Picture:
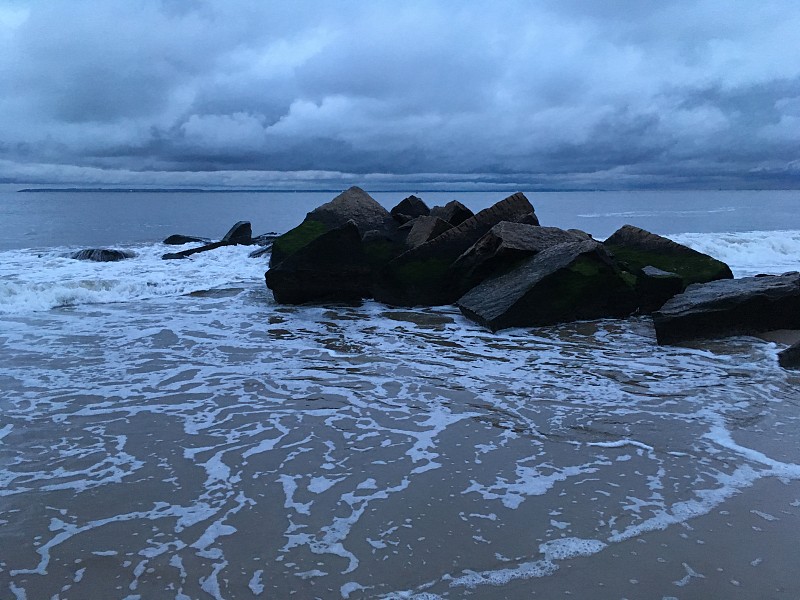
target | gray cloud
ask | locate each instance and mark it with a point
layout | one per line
(553, 93)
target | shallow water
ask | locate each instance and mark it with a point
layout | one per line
(221, 446)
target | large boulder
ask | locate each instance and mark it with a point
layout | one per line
(790, 358)
(422, 275)
(352, 205)
(101, 255)
(655, 286)
(730, 307)
(453, 212)
(573, 281)
(408, 209)
(424, 229)
(240, 233)
(504, 246)
(636, 248)
(330, 268)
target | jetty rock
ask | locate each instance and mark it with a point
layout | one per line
(101, 255)
(178, 239)
(453, 212)
(637, 248)
(424, 229)
(240, 234)
(423, 276)
(790, 358)
(729, 307)
(503, 247)
(332, 267)
(408, 209)
(572, 281)
(354, 205)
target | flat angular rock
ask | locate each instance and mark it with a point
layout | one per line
(421, 276)
(101, 255)
(790, 358)
(637, 248)
(568, 282)
(453, 212)
(191, 251)
(351, 205)
(331, 268)
(409, 208)
(730, 307)
(424, 229)
(503, 246)
(240, 233)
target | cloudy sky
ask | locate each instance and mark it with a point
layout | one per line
(304, 94)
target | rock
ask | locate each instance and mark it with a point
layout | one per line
(636, 248)
(790, 358)
(179, 240)
(240, 233)
(504, 246)
(191, 251)
(730, 307)
(453, 212)
(408, 209)
(330, 268)
(425, 229)
(568, 282)
(654, 287)
(422, 276)
(352, 205)
(102, 255)
(259, 252)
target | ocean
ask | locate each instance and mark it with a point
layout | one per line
(168, 431)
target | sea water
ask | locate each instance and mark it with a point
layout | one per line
(168, 431)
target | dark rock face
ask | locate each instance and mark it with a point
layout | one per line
(240, 233)
(504, 246)
(101, 255)
(179, 240)
(331, 268)
(636, 248)
(790, 358)
(424, 229)
(409, 208)
(568, 282)
(188, 253)
(654, 287)
(422, 276)
(352, 205)
(453, 212)
(730, 307)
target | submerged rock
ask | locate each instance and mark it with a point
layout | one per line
(730, 307)
(179, 240)
(568, 282)
(636, 248)
(353, 205)
(330, 268)
(790, 358)
(422, 275)
(191, 251)
(102, 255)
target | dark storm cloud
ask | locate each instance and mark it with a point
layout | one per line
(567, 93)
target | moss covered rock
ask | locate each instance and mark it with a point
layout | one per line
(568, 282)
(636, 248)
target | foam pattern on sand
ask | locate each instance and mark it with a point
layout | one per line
(220, 447)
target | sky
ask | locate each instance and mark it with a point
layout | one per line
(537, 94)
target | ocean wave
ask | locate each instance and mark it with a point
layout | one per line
(33, 280)
(751, 252)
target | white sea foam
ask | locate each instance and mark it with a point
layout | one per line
(40, 280)
(749, 253)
